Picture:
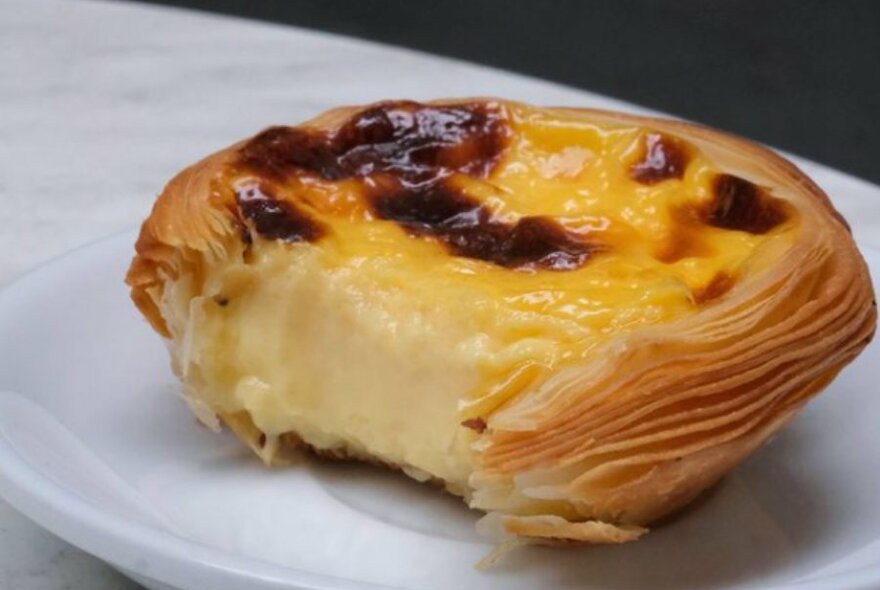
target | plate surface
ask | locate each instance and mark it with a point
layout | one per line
(96, 447)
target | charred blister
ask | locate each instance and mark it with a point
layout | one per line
(431, 208)
(468, 229)
(417, 142)
(542, 243)
(738, 204)
(663, 158)
(274, 219)
(411, 140)
(278, 151)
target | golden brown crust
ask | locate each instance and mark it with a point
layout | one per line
(660, 416)
(188, 223)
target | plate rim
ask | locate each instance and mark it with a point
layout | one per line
(161, 555)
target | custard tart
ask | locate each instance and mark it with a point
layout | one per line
(575, 320)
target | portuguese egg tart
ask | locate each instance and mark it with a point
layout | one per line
(576, 320)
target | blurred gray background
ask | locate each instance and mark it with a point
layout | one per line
(801, 75)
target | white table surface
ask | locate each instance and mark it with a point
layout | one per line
(100, 103)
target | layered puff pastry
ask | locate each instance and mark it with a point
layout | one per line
(576, 320)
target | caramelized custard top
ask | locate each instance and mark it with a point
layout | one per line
(564, 226)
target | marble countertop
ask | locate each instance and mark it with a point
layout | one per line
(101, 102)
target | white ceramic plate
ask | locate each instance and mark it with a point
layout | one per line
(96, 447)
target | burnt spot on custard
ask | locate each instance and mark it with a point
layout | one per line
(663, 158)
(467, 228)
(405, 153)
(419, 142)
(738, 204)
(413, 141)
(277, 152)
(274, 219)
